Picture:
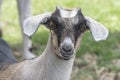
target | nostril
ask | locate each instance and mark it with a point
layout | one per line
(67, 48)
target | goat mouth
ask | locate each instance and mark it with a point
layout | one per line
(66, 55)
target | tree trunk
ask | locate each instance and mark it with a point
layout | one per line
(24, 8)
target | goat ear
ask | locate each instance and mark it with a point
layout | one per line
(99, 32)
(31, 24)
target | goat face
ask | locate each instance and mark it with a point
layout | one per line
(66, 28)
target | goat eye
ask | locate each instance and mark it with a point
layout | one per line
(81, 27)
(52, 26)
(78, 27)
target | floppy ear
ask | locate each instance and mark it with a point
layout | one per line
(99, 32)
(31, 24)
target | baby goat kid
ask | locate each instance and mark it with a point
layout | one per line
(55, 63)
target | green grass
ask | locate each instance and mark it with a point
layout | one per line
(106, 12)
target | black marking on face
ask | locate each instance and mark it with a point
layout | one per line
(80, 27)
(67, 27)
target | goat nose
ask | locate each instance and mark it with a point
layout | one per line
(67, 48)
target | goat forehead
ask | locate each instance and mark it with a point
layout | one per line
(67, 16)
(69, 23)
(65, 13)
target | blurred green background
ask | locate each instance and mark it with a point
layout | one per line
(105, 11)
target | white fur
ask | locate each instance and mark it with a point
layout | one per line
(67, 40)
(99, 32)
(68, 13)
(31, 24)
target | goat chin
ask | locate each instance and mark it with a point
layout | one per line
(48, 66)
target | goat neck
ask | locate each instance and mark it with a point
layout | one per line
(53, 67)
